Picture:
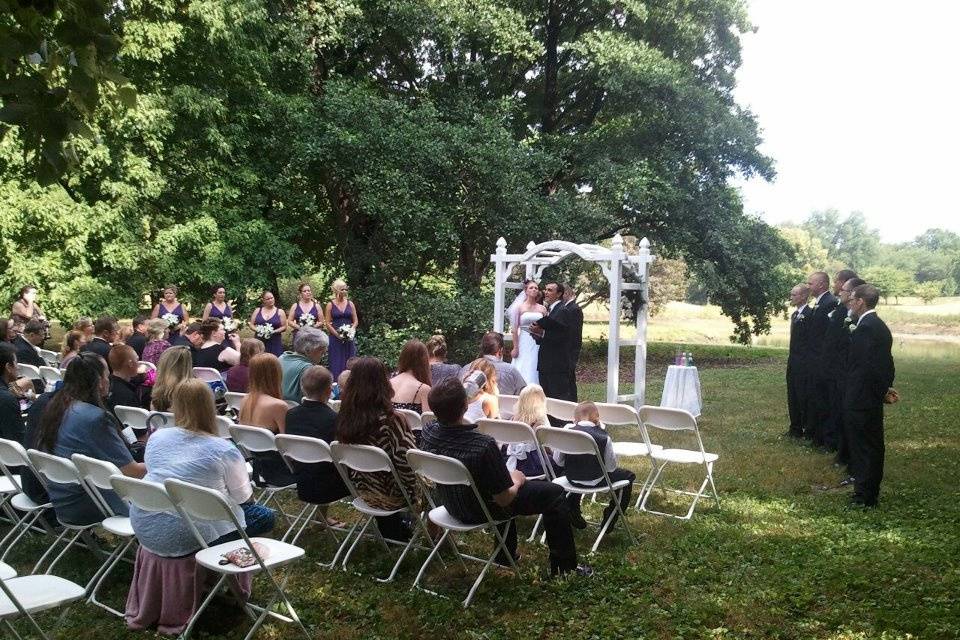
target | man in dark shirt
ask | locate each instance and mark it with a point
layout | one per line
(139, 338)
(316, 483)
(106, 331)
(124, 391)
(28, 343)
(11, 422)
(190, 337)
(506, 493)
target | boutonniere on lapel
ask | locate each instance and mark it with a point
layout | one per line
(852, 327)
(800, 317)
(830, 315)
(812, 307)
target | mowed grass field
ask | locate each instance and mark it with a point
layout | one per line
(780, 558)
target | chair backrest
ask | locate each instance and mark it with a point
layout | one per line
(207, 374)
(54, 468)
(96, 472)
(507, 404)
(133, 417)
(567, 441)
(617, 413)
(412, 418)
(52, 358)
(334, 404)
(253, 439)
(507, 431)
(667, 419)
(147, 366)
(439, 469)
(291, 404)
(12, 454)
(199, 502)
(28, 371)
(234, 399)
(303, 448)
(160, 420)
(361, 457)
(561, 409)
(427, 417)
(50, 375)
(223, 426)
(145, 495)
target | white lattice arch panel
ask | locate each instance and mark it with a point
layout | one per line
(614, 262)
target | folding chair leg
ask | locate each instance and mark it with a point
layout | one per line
(716, 496)
(536, 526)
(653, 485)
(49, 550)
(356, 541)
(119, 554)
(430, 556)
(403, 554)
(20, 529)
(296, 520)
(609, 520)
(343, 545)
(644, 487)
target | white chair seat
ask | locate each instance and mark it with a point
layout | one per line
(280, 553)
(8, 487)
(6, 571)
(441, 517)
(119, 525)
(22, 502)
(684, 456)
(37, 593)
(565, 484)
(361, 505)
(633, 449)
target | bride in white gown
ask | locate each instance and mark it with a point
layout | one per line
(524, 311)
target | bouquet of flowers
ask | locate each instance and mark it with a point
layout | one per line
(264, 331)
(346, 332)
(229, 324)
(306, 320)
(171, 318)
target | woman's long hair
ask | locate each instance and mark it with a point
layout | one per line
(81, 383)
(194, 408)
(484, 365)
(365, 401)
(174, 366)
(71, 342)
(532, 406)
(265, 379)
(416, 359)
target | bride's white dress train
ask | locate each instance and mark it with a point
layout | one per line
(529, 350)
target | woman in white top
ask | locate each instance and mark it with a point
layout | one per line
(482, 394)
(524, 311)
(192, 452)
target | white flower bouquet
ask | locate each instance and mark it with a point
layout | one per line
(171, 318)
(264, 331)
(306, 320)
(346, 332)
(229, 324)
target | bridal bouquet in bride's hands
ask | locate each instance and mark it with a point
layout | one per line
(171, 318)
(346, 332)
(306, 320)
(264, 331)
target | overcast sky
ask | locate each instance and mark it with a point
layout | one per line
(858, 105)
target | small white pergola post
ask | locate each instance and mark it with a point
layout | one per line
(613, 261)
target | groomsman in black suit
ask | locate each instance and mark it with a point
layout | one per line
(553, 336)
(870, 374)
(818, 405)
(575, 314)
(797, 367)
(835, 359)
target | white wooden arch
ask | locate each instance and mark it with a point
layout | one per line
(614, 262)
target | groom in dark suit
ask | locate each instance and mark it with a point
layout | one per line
(575, 314)
(870, 374)
(553, 363)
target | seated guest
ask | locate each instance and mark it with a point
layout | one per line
(105, 334)
(309, 347)
(341, 384)
(531, 410)
(193, 452)
(32, 486)
(506, 493)
(75, 421)
(481, 391)
(412, 382)
(367, 416)
(238, 376)
(265, 407)
(28, 343)
(440, 370)
(123, 369)
(584, 471)
(156, 341)
(175, 366)
(11, 422)
(509, 379)
(85, 325)
(316, 483)
(138, 339)
(215, 351)
(73, 342)
(190, 337)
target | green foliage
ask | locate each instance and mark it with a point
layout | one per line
(891, 282)
(849, 241)
(929, 290)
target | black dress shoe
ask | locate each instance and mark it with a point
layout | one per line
(577, 521)
(581, 571)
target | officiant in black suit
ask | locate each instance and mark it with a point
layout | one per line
(552, 333)
(798, 361)
(575, 314)
(818, 405)
(870, 374)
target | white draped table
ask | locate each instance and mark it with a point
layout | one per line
(681, 389)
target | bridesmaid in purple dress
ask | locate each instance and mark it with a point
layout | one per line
(339, 312)
(218, 307)
(304, 305)
(169, 305)
(268, 313)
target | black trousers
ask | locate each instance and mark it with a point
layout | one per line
(557, 385)
(797, 391)
(395, 527)
(539, 496)
(866, 452)
(615, 476)
(818, 411)
(842, 437)
(572, 377)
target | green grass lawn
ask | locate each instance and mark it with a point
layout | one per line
(780, 559)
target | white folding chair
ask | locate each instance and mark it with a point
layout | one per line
(334, 404)
(259, 440)
(97, 474)
(676, 420)
(235, 400)
(26, 595)
(133, 417)
(508, 405)
(441, 470)
(28, 371)
(200, 503)
(307, 450)
(147, 366)
(52, 358)
(13, 455)
(369, 459)
(577, 443)
(207, 374)
(427, 417)
(622, 414)
(160, 420)
(223, 427)
(507, 432)
(561, 409)
(412, 418)
(62, 471)
(50, 376)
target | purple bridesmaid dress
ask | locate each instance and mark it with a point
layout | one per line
(340, 350)
(274, 344)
